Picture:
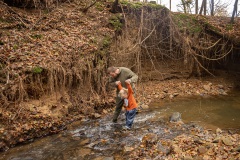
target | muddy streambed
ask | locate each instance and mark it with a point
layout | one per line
(100, 139)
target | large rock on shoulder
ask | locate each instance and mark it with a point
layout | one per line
(227, 141)
(175, 117)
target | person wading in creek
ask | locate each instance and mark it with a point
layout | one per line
(121, 74)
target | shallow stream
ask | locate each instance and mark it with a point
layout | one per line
(100, 139)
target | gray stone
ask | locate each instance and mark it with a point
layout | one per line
(175, 94)
(163, 149)
(220, 86)
(227, 141)
(237, 149)
(176, 116)
(165, 90)
(149, 139)
(207, 87)
(171, 96)
(128, 149)
(108, 158)
(84, 151)
(187, 158)
(176, 149)
(202, 150)
(96, 115)
(144, 106)
(218, 131)
(84, 142)
(216, 140)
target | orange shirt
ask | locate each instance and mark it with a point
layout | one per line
(131, 100)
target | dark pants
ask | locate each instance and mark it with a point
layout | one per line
(130, 117)
(118, 109)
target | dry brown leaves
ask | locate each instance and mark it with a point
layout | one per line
(32, 41)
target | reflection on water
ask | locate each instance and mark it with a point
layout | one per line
(94, 139)
(212, 112)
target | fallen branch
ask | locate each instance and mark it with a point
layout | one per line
(84, 10)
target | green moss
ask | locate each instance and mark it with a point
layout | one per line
(229, 27)
(99, 6)
(106, 41)
(196, 29)
(115, 22)
(36, 36)
(37, 70)
(132, 4)
(188, 22)
(15, 46)
(137, 5)
(157, 6)
(2, 20)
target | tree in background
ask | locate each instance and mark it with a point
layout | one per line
(186, 6)
(234, 13)
(211, 7)
(203, 7)
(196, 6)
(220, 9)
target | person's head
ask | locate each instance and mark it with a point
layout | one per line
(113, 71)
(123, 93)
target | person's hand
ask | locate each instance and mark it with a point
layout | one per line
(117, 82)
(128, 81)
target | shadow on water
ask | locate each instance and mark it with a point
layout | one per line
(101, 139)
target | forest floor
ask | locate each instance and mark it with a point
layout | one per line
(35, 40)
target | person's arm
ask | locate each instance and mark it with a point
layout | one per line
(132, 76)
(130, 91)
(119, 86)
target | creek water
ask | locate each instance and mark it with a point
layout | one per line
(101, 139)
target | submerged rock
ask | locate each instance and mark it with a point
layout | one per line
(176, 149)
(84, 151)
(144, 106)
(84, 142)
(237, 149)
(218, 131)
(227, 141)
(187, 158)
(96, 115)
(202, 150)
(176, 116)
(216, 140)
(149, 140)
(128, 149)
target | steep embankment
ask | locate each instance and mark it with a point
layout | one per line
(52, 65)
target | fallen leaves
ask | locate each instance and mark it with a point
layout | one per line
(190, 146)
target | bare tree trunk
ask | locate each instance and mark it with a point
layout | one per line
(234, 11)
(170, 4)
(184, 6)
(212, 7)
(84, 10)
(205, 7)
(114, 6)
(201, 9)
(196, 6)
